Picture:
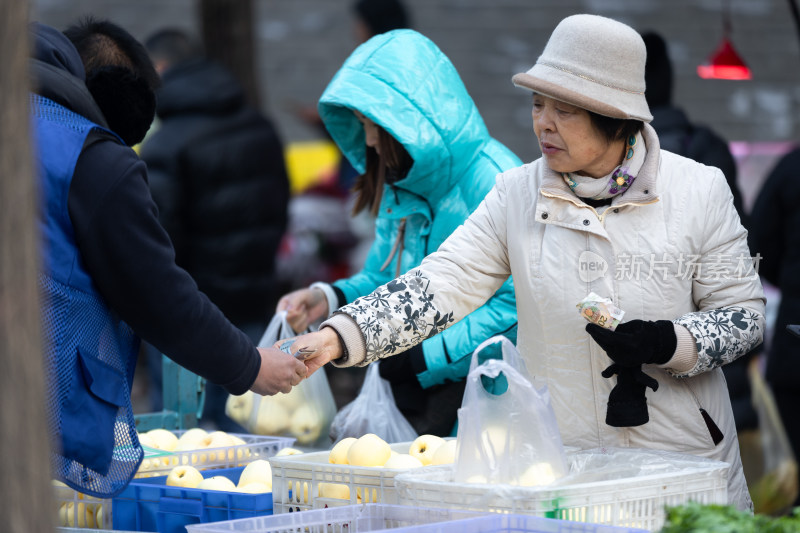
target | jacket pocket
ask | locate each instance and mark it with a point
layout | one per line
(97, 392)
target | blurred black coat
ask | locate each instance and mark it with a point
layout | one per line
(218, 176)
(775, 234)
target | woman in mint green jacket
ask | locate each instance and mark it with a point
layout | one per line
(400, 113)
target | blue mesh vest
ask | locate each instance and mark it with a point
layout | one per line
(90, 354)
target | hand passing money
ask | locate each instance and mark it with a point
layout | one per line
(600, 311)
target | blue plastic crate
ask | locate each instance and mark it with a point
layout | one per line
(148, 504)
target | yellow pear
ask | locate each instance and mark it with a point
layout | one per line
(184, 476)
(259, 471)
(424, 446)
(338, 454)
(217, 483)
(368, 450)
(306, 424)
(273, 418)
(445, 454)
(403, 460)
(334, 490)
(288, 451)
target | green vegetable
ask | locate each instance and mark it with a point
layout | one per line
(698, 518)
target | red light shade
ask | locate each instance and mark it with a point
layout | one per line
(725, 64)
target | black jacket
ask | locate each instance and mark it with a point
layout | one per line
(775, 235)
(123, 245)
(680, 136)
(218, 176)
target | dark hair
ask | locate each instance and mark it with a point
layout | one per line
(172, 45)
(615, 128)
(102, 43)
(382, 15)
(657, 70)
(390, 167)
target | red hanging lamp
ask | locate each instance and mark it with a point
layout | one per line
(725, 63)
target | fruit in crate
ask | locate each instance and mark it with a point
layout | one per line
(424, 446)
(184, 476)
(259, 471)
(537, 474)
(338, 454)
(163, 439)
(446, 453)
(238, 408)
(273, 418)
(339, 491)
(402, 460)
(217, 483)
(82, 515)
(254, 488)
(217, 439)
(192, 436)
(368, 450)
(288, 451)
(306, 424)
(241, 453)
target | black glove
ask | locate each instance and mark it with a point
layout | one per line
(637, 342)
(627, 404)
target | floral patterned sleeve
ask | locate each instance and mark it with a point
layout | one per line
(397, 316)
(721, 336)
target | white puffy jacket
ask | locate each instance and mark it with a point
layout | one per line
(671, 247)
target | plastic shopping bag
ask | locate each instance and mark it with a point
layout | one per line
(372, 411)
(775, 488)
(507, 429)
(305, 413)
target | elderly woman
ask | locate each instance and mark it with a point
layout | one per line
(604, 210)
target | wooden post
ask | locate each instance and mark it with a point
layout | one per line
(25, 489)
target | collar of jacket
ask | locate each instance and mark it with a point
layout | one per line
(643, 191)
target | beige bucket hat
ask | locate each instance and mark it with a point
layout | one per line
(595, 63)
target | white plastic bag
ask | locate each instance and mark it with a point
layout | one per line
(305, 413)
(372, 411)
(507, 429)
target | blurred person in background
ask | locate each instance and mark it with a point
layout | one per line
(217, 175)
(425, 164)
(660, 230)
(774, 234)
(325, 242)
(108, 275)
(679, 135)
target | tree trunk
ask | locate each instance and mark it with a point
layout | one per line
(227, 28)
(25, 490)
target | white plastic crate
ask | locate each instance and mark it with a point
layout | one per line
(374, 517)
(606, 494)
(346, 519)
(76, 510)
(159, 463)
(296, 480)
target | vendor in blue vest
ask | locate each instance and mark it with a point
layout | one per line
(108, 273)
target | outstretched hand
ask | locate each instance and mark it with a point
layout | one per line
(279, 372)
(325, 344)
(303, 307)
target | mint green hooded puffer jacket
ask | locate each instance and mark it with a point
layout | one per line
(406, 85)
